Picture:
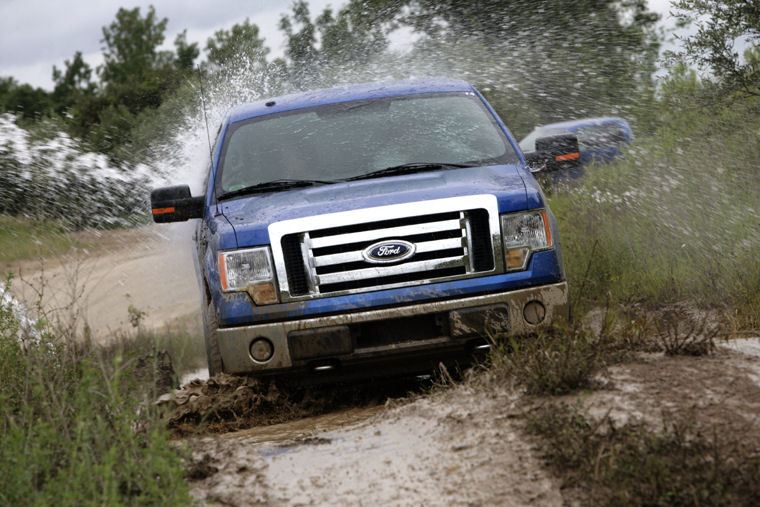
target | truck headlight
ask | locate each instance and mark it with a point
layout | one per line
(524, 233)
(249, 270)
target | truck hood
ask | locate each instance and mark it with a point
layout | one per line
(250, 216)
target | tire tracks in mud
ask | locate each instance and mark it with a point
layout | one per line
(459, 446)
(465, 444)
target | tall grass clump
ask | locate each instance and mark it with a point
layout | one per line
(555, 360)
(76, 425)
(677, 218)
(630, 464)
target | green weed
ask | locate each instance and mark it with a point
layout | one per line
(555, 360)
(610, 464)
(676, 219)
(181, 339)
(21, 239)
(77, 426)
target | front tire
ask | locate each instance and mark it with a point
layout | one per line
(213, 355)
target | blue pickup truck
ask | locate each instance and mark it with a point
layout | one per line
(374, 229)
(600, 140)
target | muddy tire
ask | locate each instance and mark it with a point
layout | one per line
(213, 355)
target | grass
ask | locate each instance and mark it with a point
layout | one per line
(632, 464)
(181, 339)
(77, 424)
(663, 246)
(675, 220)
(22, 239)
(556, 360)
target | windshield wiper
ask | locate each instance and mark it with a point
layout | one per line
(409, 168)
(270, 186)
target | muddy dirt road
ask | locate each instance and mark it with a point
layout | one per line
(150, 268)
(461, 445)
(466, 444)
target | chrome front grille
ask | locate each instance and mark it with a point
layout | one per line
(326, 255)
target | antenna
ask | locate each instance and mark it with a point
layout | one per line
(205, 116)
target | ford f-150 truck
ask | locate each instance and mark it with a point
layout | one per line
(372, 229)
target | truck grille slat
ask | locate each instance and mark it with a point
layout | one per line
(327, 255)
(391, 232)
(356, 255)
(400, 269)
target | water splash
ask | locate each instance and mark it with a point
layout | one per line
(54, 178)
(20, 321)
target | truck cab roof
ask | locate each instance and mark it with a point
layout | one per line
(346, 94)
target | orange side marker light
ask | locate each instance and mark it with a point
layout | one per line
(569, 156)
(546, 228)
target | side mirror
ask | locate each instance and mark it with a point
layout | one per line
(175, 204)
(554, 153)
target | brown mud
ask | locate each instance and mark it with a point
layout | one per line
(456, 446)
(464, 444)
(226, 403)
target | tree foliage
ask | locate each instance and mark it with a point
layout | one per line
(536, 60)
(350, 36)
(24, 100)
(73, 83)
(723, 27)
(240, 43)
(186, 53)
(131, 46)
(555, 59)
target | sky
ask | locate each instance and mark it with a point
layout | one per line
(35, 35)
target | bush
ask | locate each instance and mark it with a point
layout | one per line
(634, 465)
(675, 220)
(77, 426)
(555, 360)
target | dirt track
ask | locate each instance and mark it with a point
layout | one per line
(463, 445)
(149, 268)
(460, 446)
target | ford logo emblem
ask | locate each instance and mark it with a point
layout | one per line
(389, 251)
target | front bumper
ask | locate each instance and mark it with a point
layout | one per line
(404, 334)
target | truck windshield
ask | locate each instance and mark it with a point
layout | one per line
(352, 139)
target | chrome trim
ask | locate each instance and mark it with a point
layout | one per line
(235, 342)
(356, 255)
(306, 247)
(467, 241)
(355, 237)
(307, 225)
(400, 269)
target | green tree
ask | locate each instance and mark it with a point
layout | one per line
(320, 50)
(186, 53)
(241, 43)
(358, 32)
(545, 60)
(722, 28)
(135, 75)
(24, 100)
(300, 47)
(72, 83)
(131, 46)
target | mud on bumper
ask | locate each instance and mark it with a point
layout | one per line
(406, 338)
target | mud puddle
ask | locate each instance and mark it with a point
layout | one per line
(457, 446)
(226, 403)
(464, 444)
